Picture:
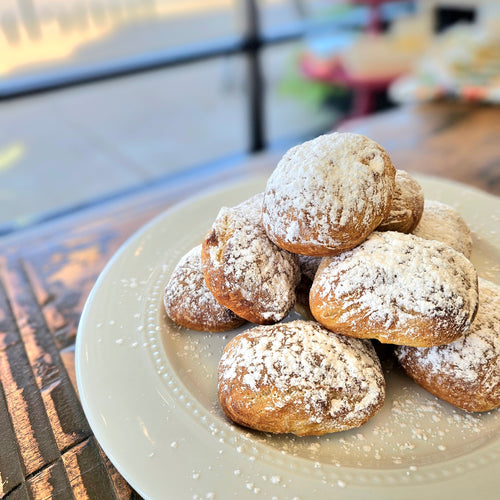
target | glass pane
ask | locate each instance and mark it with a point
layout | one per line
(38, 35)
(54, 147)
(275, 13)
(295, 107)
(325, 15)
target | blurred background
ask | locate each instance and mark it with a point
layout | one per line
(103, 97)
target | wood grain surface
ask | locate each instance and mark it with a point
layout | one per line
(46, 273)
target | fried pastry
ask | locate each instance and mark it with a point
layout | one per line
(244, 269)
(407, 205)
(327, 195)
(189, 303)
(443, 223)
(299, 378)
(465, 373)
(397, 288)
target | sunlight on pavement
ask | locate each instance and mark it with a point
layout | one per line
(10, 154)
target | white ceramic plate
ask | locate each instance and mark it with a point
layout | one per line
(149, 390)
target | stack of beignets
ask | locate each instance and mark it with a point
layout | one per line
(346, 238)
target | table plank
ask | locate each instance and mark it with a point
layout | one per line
(20, 493)
(50, 483)
(11, 469)
(29, 420)
(62, 406)
(91, 475)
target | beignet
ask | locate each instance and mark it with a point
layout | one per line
(397, 288)
(327, 195)
(189, 303)
(465, 373)
(244, 269)
(299, 378)
(443, 223)
(407, 205)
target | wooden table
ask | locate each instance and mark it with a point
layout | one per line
(47, 448)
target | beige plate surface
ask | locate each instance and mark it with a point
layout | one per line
(149, 389)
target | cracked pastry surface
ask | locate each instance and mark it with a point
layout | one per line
(328, 194)
(189, 303)
(300, 378)
(244, 269)
(465, 373)
(397, 288)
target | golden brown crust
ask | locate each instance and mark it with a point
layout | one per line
(407, 205)
(465, 373)
(398, 289)
(189, 303)
(299, 378)
(442, 222)
(245, 271)
(327, 195)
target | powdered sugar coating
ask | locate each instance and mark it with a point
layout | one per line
(299, 377)
(244, 269)
(443, 223)
(466, 372)
(326, 195)
(407, 205)
(397, 288)
(189, 302)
